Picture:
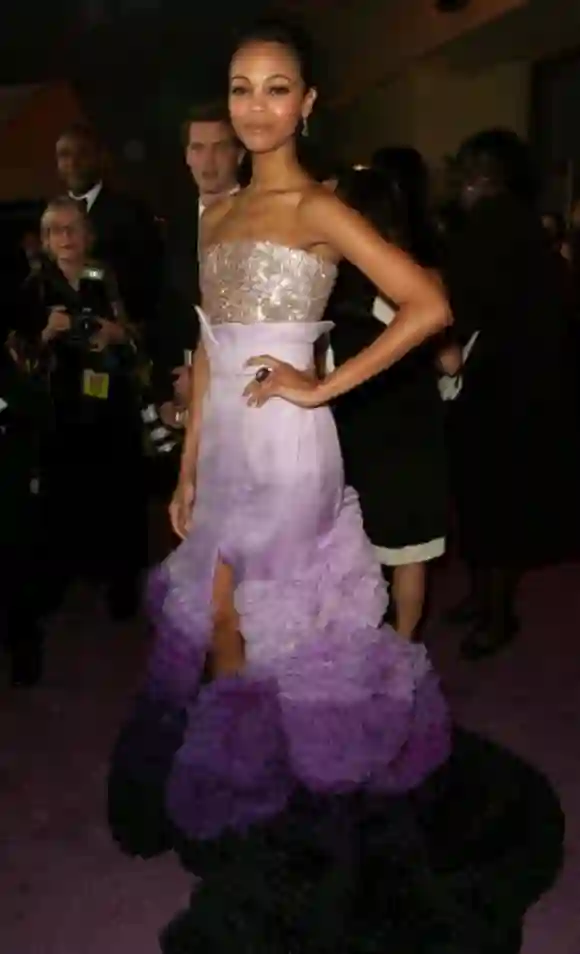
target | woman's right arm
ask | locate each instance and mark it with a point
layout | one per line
(200, 368)
(200, 378)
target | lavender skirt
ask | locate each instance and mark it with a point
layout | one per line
(329, 700)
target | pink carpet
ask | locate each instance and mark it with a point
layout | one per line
(64, 887)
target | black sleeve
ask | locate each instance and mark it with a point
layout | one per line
(137, 257)
(29, 308)
(176, 331)
(469, 274)
(178, 326)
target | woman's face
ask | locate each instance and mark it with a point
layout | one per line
(267, 96)
(65, 235)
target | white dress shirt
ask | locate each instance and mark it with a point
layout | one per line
(89, 197)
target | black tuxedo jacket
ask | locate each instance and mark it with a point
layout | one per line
(127, 239)
(178, 326)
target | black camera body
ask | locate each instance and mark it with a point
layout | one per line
(83, 325)
(95, 304)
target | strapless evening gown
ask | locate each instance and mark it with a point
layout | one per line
(313, 791)
(329, 699)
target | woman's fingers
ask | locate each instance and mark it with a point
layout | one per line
(258, 392)
(263, 360)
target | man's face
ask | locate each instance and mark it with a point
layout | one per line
(213, 156)
(78, 162)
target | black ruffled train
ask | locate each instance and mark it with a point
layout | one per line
(450, 869)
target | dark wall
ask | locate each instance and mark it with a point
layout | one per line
(137, 65)
(555, 128)
(137, 76)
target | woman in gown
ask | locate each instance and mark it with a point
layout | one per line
(271, 777)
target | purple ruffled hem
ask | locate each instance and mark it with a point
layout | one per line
(329, 699)
(239, 762)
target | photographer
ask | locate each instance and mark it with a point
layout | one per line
(72, 311)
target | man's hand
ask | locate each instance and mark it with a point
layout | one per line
(58, 322)
(172, 415)
(109, 333)
(182, 385)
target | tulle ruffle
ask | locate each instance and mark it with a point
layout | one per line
(329, 700)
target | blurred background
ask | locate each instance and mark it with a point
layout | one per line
(395, 71)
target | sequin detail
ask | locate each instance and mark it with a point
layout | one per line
(249, 282)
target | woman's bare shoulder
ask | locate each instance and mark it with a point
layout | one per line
(213, 217)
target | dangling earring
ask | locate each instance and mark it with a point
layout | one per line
(304, 126)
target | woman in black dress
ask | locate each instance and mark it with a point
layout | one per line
(391, 429)
(515, 431)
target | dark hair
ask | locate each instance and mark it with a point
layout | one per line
(215, 111)
(408, 170)
(408, 173)
(503, 158)
(373, 194)
(286, 34)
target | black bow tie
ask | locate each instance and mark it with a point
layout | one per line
(83, 202)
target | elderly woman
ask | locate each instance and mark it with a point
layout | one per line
(70, 311)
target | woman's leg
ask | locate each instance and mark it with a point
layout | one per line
(408, 593)
(227, 645)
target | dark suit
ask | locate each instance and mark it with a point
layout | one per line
(178, 326)
(126, 236)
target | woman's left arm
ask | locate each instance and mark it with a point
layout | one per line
(423, 310)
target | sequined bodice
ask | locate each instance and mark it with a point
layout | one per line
(250, 282)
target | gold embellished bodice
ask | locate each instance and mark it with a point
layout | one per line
(248, 282)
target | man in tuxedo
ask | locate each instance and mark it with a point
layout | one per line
(213, 156)
(126, 235)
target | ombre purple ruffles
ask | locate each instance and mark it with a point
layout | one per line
(329, 698)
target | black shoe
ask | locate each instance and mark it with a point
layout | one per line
(123, 600)
(484, 641)
(463, 613)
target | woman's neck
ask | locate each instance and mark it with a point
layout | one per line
(276, 171)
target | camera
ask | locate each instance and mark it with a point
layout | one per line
(94, 304)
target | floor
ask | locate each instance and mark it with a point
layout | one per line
(65, 889)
